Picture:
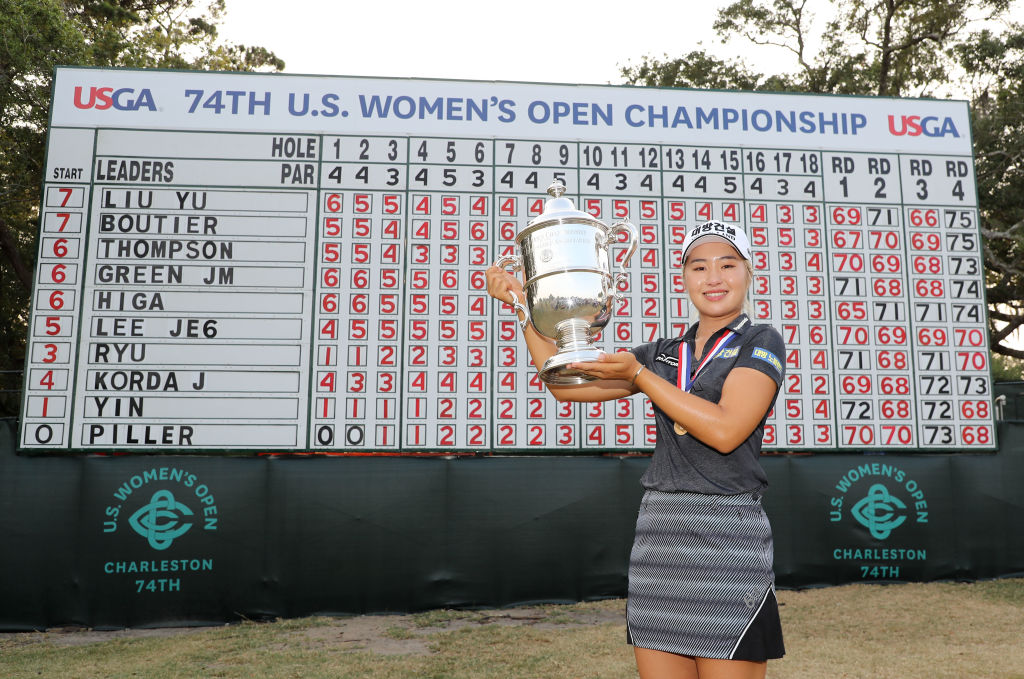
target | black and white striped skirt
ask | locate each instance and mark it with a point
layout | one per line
(700, 578)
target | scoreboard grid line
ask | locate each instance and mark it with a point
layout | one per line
(86, 211)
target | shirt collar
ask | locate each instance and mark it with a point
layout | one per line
(738, 326)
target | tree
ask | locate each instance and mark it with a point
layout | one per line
(698, 69)
(996, 65)
(36, 36)
(898, 48)
(179, 34)
(1007, 369)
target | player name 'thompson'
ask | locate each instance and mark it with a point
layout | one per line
(165, 249)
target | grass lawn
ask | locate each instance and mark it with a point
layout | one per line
(910, 631)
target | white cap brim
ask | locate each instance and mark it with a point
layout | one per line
(710, 237)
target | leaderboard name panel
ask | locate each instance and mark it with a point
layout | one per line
(187, 282)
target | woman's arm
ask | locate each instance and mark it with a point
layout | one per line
(746, 397)
(503, 286)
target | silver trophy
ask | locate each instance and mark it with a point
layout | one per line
(570, 291)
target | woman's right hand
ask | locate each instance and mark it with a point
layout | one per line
(502, 285)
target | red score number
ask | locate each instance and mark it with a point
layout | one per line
(846, 215)
(926, 218)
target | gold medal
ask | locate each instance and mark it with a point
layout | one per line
(680, 429)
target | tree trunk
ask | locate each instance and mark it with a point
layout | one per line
(10, 250)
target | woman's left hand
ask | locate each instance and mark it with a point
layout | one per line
(621, 365)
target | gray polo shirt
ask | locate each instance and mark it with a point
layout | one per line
(682, 463)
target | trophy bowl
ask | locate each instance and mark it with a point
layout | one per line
(570, 291)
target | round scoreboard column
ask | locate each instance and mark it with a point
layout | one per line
(622, 182)
(446, 385)
(360, 296)
(868, 279)
(525, 415)
(948, 339)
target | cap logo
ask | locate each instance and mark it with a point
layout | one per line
(716, 229)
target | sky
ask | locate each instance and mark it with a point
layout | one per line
(571, 41)
(523, 40)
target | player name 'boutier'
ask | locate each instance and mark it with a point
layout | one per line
(147, 223)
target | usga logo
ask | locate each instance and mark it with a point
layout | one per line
(124, 99)
(929, 126)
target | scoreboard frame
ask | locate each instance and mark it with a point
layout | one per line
(233, 262)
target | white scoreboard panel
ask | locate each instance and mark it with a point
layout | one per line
(292, 263)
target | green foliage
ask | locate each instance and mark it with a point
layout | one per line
(894, 48)
(179, 34)
(696, 69)
(35, 37)
(996, 65)
(1007, 369)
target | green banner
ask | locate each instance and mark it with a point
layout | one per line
(123, 541)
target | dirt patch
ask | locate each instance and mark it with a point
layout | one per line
(382, 634)
(411, 634)
(81, 636)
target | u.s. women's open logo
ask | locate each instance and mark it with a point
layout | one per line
(164, 507)
(883, 499)
(161, 520)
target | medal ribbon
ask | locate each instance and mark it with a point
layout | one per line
(684, 380)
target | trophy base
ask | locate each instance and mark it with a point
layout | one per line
(556, 369)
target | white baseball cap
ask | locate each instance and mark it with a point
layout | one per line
(720, 231)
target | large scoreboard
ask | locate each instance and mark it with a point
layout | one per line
(296, 263)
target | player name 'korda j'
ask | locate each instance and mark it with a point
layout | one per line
(141, 380)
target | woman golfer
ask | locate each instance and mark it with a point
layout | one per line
(701, 587)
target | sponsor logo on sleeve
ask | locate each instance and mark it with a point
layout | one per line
(768, 357)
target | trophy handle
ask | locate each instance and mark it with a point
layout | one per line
(517, 264)
(634, 242)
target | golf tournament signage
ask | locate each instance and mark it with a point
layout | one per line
(151, 525)
(115, 541)
(237, 261)
(879, 498)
